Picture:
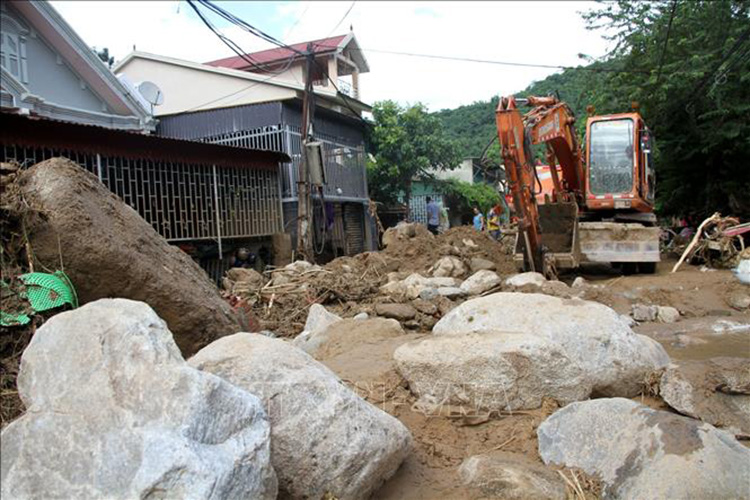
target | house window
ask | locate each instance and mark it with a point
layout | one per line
(13, 50)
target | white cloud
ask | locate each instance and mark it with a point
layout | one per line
(528, 32)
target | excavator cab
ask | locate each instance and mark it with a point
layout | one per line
(600, 208)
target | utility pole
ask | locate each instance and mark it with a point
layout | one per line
(304, 221)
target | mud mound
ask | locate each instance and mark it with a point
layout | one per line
(108, 250)
(419, 253)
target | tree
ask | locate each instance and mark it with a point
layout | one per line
(462, 196)
(406, 143)
(688, 66)
(104, 56)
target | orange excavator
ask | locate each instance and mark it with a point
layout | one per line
(601, 205)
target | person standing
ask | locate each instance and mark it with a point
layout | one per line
(444, 222)
(493, 222)
(433, 216)
(478, 220)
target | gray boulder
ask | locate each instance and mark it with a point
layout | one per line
(594, 337)
(666, 314)
(115, 412)
(448, 266)
(480, 282)
(324, 438)
(523, 279)
(400, 312)
(716, 391)
(318, 321)
(490, 371)
(480, 264)
(511, 477)
(451, 292)
(642, 312)
(642, 453)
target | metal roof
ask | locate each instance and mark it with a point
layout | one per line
(37, 131)
(269, 56)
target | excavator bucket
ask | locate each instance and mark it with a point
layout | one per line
(559, 229)
(619, 242)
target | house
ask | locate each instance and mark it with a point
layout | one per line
(336, 57)
(470, 170)
(259, 105)
(48, 71)
(60, 99)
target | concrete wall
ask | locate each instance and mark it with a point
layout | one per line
(464, 172)
(193, 89)
(43, 71)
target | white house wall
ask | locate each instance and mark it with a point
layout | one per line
(188, 89)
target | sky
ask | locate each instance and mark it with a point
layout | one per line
(534, 32)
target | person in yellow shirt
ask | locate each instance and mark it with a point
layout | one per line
(493, 222)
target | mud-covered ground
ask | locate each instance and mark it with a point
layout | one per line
(709, 327)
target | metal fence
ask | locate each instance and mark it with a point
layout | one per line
(344, 163)
(182, 201)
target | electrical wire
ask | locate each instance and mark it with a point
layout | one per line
(289, 33)
(666, 41)
(342, 19)
(490, 61)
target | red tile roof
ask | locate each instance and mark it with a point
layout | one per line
(279, 54)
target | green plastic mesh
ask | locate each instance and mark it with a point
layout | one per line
(48, 291)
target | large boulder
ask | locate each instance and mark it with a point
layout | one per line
(642, 453)
(115, 412)
(511, 477)
(108, 250)
(593, 336)
(716, 391)
(490, 371)
(480, 282)
(324, 438)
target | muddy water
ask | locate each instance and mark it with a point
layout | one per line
(703, 338)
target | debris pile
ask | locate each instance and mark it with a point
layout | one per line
(718, 242)
(414, 265)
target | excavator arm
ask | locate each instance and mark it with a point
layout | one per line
(550, 122)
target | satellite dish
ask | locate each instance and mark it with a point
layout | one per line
(151, 93)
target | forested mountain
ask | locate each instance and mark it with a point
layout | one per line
(687, 63)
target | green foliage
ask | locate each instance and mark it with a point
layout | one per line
(697, 105)
(406, 143)
(462, 196)
(695, 99)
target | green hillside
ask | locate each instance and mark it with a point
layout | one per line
(473, 126)
(687, 63)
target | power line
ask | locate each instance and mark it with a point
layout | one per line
(289, 33)
(490, 61)
(257, 32)
(666, 41)
(342, 19)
